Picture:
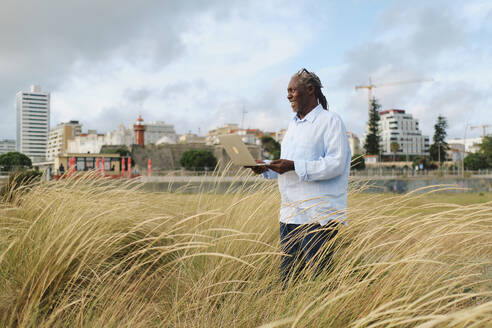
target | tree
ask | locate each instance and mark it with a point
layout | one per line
(13, 160)
(120, 150)
(439, 148)
(476, 161)
(198, 160)
(357, 162)
(394, 147)
(371, 144)
(486, 149)
(271, 146)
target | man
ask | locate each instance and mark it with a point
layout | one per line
(312, 177)
(61, 169)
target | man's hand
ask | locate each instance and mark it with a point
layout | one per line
(258, 169)
(281, 165)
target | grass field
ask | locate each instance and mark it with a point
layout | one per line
(85, 253)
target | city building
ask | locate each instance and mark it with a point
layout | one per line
(7, 145)
(85, 162)
(354, 142)
(166, 140)
(248, 136)
(90, 142)
(33, 122)
(397, 126)
(156, 130)
(120, 136)
(211, 138)
(279, 135)
(472, 145)
(455, 152)
(59, 136)
(188, 138)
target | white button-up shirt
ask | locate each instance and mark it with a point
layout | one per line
(316, 192)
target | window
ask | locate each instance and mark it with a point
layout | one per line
(38, 107)
(36, 111)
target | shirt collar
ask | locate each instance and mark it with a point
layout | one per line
(311, 116)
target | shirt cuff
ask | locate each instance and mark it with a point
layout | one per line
(269, 174)
(301, 170)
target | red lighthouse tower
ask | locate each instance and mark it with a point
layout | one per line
(139, 129)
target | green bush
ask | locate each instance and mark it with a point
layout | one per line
(14, 159)
(198, 160)
(271, 147)
(476, 161)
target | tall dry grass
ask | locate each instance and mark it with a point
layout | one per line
(88, 252)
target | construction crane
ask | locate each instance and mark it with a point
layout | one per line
(370, 86)
(483, 126)
(243, 114)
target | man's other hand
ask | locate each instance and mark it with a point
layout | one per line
(281, 165)
(258, 169)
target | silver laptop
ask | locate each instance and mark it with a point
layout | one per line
(237, 150)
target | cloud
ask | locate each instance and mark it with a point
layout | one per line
(428, 40)
(191, 63)
(196, 64)
(48, 42)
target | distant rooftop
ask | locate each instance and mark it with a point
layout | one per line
(384, 112)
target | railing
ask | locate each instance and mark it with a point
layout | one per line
(402, 172)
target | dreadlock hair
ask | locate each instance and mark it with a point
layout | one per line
(308, 78)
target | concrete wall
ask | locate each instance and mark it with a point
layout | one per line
(401, 186)
(166, 156)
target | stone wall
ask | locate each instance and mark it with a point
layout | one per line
(420, 185)
(165, 157)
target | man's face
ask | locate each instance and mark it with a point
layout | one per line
(298, 95)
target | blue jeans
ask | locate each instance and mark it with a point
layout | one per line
(301, 244)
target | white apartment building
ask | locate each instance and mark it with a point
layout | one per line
(33, 123)
(90, 142)
(397, 126)
(472, 145)
(456, 151)
(248, 136)
(354, 142)
(191, 138)
(7, 146)
(279, 135)
(212, 135)
(156, 130)
(59, 137)
(121, 136)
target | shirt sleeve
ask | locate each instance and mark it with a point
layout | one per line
(334, 161)
(270, 174)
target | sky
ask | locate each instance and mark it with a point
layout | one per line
(199, 64)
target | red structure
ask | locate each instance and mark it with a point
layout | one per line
(103, 166)
(139, 128)
(123, 168)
